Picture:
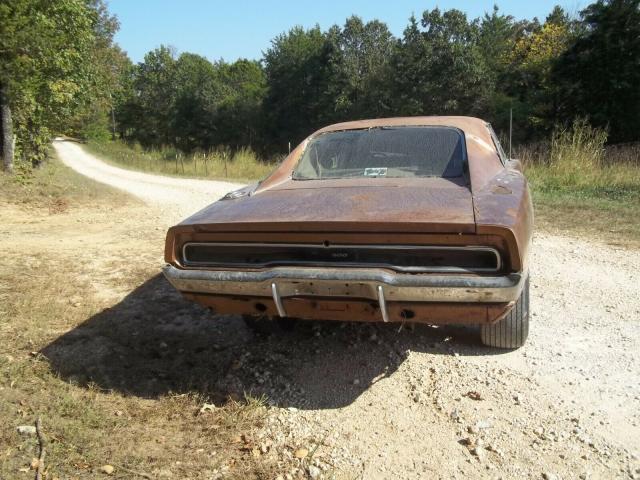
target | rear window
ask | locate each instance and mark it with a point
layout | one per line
(384, 152)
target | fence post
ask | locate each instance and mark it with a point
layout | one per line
(510, 129)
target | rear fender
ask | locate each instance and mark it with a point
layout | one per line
(503, 207)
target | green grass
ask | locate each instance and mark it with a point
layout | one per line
(613, 218)
(221, 163)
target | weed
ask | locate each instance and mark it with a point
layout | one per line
(219, 163)
(580, 185)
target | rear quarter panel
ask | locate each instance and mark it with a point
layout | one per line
(503, 207)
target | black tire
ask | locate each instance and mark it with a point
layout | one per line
(512, 331)
(268, 326)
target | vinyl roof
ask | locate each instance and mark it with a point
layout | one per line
(466, 124)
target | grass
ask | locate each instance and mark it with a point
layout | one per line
(221, 163)
(53, 302)
(580, 186)
(56, 187)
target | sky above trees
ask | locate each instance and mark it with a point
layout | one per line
(243, 29)
(547, 71)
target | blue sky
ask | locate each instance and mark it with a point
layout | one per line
(243, 28)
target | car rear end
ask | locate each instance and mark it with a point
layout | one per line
(381, 238)
(389, 277)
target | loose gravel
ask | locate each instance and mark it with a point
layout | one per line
(385, 401)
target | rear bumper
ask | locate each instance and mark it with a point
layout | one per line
(282, 284)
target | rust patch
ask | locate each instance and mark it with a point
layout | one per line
(358, 310)
(501, 190)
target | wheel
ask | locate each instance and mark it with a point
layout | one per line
(263, 325)
(512, 331)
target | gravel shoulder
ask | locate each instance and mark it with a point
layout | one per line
(417, 402)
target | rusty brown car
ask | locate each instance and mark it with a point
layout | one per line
(419, 219)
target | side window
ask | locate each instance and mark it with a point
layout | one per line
(496, 143)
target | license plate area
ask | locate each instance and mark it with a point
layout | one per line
(297, 288)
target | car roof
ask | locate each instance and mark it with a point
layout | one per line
(470, 125)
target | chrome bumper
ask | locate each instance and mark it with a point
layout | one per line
(380, 285)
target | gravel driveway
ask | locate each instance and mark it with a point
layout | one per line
(179, 196)
(428, 402)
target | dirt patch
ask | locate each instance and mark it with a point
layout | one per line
(325, 400)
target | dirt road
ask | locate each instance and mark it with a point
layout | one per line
(384, 402)
(176, 196)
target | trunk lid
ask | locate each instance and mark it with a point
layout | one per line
(429, 205)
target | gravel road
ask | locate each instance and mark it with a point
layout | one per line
(179, 197)
(426, 402)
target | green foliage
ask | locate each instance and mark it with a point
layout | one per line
(444, 63)
(155, 85)
(525, 69)
(46, 66)
(191, 103)
(297, 72)
(359, 58)
(315, 78)
(239, 117)
(64, 74)
(599, 73)
(106, 65)
(439, 68)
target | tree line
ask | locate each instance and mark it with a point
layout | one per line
(61, 72)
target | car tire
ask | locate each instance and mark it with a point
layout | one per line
(263, 325)
(512, 331)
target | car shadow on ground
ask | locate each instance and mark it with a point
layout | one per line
(154, 342)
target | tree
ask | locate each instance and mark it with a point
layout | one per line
(95, 117)
(531, 61)
(45, 70)
(439, 68)
(358, 60)
(296, 68)
(198, 93)
(497, 36)
(60, 71)
(155, 95)
(240, 112)
(599, 75)
(7, 140)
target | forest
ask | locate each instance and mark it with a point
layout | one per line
(62, 73)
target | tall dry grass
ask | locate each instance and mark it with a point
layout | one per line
(219, 163)
(580, 184)
(576, 160)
